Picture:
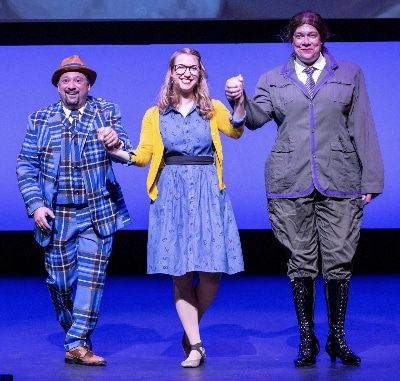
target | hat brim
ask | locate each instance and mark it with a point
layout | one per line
(92, 75)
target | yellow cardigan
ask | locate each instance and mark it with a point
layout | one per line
(151, 145)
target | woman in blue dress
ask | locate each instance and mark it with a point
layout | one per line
(192, 228)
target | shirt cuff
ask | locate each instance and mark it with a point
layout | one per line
(131, 161)
(237, 123)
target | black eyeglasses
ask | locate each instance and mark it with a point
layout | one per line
(181, 69)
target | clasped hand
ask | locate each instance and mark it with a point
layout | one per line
(108, 138)
(234, 88)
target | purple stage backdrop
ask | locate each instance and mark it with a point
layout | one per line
(131, 76)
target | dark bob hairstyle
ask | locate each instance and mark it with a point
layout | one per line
(306, 17)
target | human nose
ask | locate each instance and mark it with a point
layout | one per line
(187, 72)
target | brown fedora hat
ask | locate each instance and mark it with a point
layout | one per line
(73, 63)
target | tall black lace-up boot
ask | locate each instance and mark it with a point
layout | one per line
(336, 295)
(303, 290)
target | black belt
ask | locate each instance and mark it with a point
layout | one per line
(188, 160)
(75, 206)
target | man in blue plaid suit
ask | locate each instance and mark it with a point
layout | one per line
(68, 185)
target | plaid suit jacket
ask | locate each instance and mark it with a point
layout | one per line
(39, 159)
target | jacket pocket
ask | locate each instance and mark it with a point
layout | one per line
(280, 167)
(345, 168)
(282, 93)
(339, 91)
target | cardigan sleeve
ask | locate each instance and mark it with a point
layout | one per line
(143, 152)
(224, 125)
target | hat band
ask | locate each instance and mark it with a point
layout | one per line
(73, 64)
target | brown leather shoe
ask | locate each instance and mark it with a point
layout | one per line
(83, 356)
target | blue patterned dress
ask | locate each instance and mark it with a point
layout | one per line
(191, 223)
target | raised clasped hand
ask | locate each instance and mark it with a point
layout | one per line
(234, 88)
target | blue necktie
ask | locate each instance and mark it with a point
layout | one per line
(75, 118)
(74, 114)
(75, 141)
(310, 84)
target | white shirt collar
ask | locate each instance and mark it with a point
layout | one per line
(68, 111)
(300, 66)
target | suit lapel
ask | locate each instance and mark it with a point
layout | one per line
(54, 126)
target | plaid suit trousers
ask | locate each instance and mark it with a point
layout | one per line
(76, 255)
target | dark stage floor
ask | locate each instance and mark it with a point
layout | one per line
(250, 332)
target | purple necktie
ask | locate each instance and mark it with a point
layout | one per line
(310, 84)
